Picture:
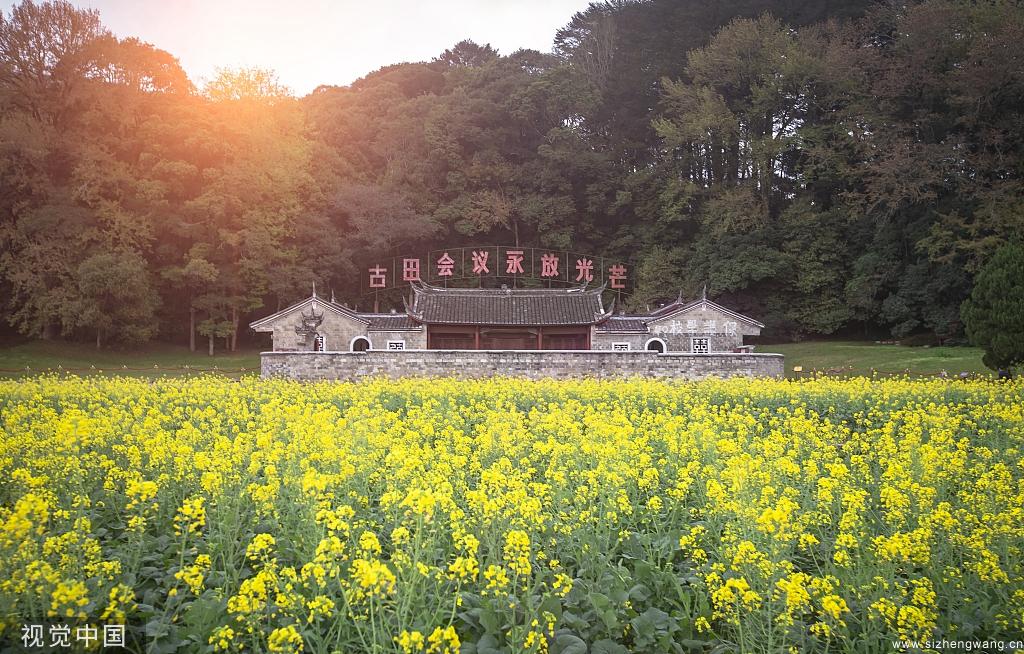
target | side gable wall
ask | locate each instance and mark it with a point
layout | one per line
(338, 330)
(724, 331)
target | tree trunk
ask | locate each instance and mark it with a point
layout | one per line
(211, 345)
(99, 337)
(191, 329)
(49, 331)
(234, 329)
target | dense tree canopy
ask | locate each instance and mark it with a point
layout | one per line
(825, 166)
(994, 312)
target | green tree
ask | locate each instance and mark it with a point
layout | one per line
(930, 176)
(994, 312)
(818, 172)
(467, 53)
(114, 297)
(256, 186)
(80, 176)
(45, 58)
(255, 84)
(193, 275)
(220, 323)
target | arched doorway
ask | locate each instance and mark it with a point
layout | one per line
(360, 344)
(655, 345)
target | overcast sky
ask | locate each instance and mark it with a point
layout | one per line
(313, 42)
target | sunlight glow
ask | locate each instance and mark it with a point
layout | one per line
(314, 42)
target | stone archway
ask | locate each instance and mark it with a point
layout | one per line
(655, 345)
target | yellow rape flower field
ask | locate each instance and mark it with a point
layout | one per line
(441, 516)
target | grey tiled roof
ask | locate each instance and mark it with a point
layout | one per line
(389, 321)
(623, 324)
(481, 306)
(668, 308)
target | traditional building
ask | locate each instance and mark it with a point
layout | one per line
(507, 320)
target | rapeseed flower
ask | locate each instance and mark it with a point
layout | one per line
(828, 513)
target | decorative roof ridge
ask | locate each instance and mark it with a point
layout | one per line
(630, 316)
(600, 318)
(408, 303)
(423, 287)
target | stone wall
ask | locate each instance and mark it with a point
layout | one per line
(605, 340)
(673, 342)
(414, 340)
(677, 322)
(679, 328)
(534, 364)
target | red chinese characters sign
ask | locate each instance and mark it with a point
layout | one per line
(499, 262)
(445, 265)
(584, 270)
(514, 263)
(617, 276)
(480, 262)
(378, 277)
(410, 270)
(549, 265)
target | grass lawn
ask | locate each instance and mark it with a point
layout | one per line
(861, 357)
(843, 357)
(153, 359)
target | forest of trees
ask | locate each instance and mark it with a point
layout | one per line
(830, 166)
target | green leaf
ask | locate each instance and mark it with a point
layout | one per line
(610, 620)
(470, 617)
(640, 592)
(489, 620)
(606, 646)
(575, 622)
(569, 644)
(662, 621)
(643, 628)
(156, 629)
(488, 644)
(552, 605)
(600, 601)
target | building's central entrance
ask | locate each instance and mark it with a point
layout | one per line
(476, 337)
